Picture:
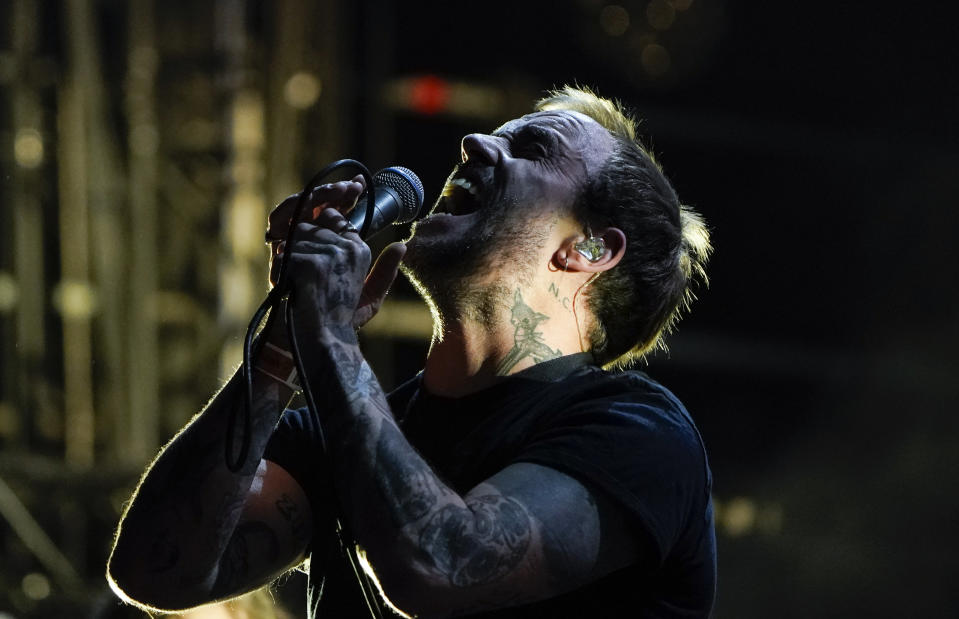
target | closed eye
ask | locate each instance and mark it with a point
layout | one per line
(532, 150)
(532, 143)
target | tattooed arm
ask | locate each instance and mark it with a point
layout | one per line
(527, 533)
(196, 531)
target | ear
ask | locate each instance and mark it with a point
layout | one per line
(613, 238)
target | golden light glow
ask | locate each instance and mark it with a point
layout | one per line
(74, 299)
(245, 223)
(28, 148)
(35, 586)
(247, 122)
(302, 90)
(9, 292)
(739, 517)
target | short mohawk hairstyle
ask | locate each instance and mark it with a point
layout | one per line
(668, 245)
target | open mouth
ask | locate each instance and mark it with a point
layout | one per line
(460, 197)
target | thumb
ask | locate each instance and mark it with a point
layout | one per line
(383, 273)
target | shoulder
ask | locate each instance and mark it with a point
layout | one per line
(626, 399)
(626, 434)
(643, 421)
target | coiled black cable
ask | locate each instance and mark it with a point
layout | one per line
(271, 304)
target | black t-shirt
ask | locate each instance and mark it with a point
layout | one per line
(619, 433)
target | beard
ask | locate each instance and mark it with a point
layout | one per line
(470, 273)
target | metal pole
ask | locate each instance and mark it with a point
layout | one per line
(138, 436)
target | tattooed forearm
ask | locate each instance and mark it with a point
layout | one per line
(410, 491)
(251, 540)
(183, 518)
(402, 513)
(164, 552)
(478, 544)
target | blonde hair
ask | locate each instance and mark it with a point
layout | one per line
(643, 297)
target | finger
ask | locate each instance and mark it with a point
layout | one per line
(276, 261)
(357, 184)
(312, 236)
(332, 219)
(383, 273)
(341, 195)
(278, 222)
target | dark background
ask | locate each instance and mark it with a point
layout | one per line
(818, 140)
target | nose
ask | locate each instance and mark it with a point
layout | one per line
(481, 147)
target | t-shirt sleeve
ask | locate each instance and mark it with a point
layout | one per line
(295, 445)
(641, 451)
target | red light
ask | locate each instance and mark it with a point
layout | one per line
(429, 94)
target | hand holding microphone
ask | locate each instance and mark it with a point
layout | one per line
(332, 254)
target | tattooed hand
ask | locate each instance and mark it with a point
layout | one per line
(344, 260)
(328, 265)
(328, 262)
(342, 196)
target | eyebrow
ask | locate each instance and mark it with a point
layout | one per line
(528, 130)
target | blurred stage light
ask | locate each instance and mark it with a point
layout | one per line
(302, 90)
(432, 95)
(36, 586)
(655, 59)
(28, 148)
(740, 516)
(245, 223)
(9, 292)
(429, 94)
(247, 121)
(660, 14)
(74, 299)
(614, 20)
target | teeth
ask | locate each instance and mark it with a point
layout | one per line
(464, 184)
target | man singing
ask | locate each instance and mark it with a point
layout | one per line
(512, 477)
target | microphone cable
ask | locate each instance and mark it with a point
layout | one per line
(271, 304)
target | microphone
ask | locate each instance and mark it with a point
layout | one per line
(397, 199)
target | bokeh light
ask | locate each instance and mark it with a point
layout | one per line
(660, 14)
(614, 20)
(302, 90)
(28, 148)
(655, 59)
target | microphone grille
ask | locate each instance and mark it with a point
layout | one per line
(409, 187)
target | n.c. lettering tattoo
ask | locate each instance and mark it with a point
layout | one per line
(564, 300)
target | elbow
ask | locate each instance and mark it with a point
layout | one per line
(133, 581)
(412, 589)
(130, 586)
